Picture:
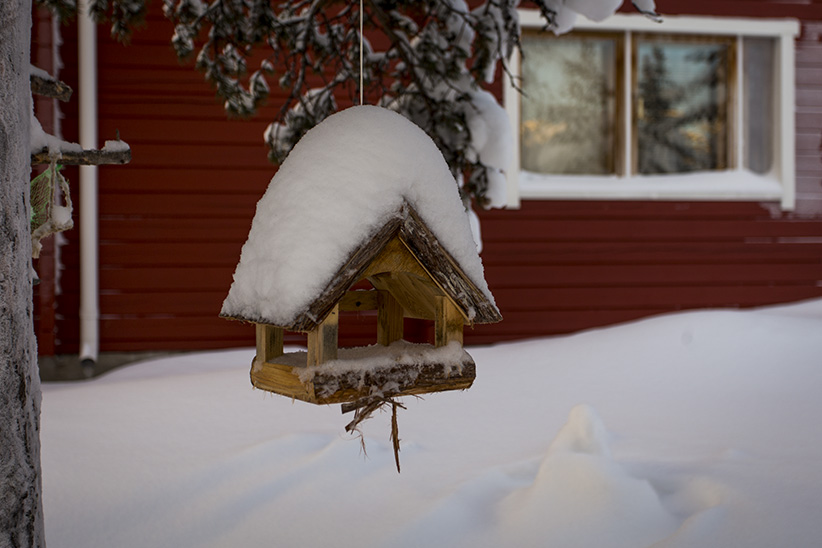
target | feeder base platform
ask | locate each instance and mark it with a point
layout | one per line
(323, 385)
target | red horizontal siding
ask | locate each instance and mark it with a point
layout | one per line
(179, 206)
(250, 180)
(163, 255)
(617, 253)
(652, 275)
(653, 230)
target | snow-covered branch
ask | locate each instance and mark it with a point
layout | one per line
(113, 153)
(46, 147)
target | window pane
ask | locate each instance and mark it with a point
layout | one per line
(758, 67)
(568, 105)
(681, 108)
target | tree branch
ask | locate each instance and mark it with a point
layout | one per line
(50, 87)
(90, 157)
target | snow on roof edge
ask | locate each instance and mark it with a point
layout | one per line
(409, 227)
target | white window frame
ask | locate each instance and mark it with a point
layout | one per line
(737, 184)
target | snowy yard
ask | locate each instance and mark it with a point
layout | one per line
(695, 429)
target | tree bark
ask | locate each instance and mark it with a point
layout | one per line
(21, 513)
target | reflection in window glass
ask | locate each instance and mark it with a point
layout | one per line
(568, 105)
(681, 107)
(758, 61)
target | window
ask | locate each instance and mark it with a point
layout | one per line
(682, 108)
(569, 107)
(689, 109)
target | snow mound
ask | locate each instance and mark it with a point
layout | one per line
(577, 483)
(583, 433)
(340, 184)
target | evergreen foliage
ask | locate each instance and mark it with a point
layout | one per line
(421, 58)
(426, 59)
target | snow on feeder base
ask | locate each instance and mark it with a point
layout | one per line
(362, 373)
(365, 196)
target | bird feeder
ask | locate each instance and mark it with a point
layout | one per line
(411, 273)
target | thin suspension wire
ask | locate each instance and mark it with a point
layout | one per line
(361, 42)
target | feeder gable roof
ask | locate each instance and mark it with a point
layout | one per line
(353, 179)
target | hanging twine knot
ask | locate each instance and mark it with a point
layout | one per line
(364, 408)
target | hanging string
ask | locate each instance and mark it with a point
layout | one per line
(361, 42)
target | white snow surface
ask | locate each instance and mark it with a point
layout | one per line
(39, 140)
(376, 356)
(645, 5)
(37, 71)
(339, 185)
(116, 146)
(595, 10)
(491, 142)
(696, 429)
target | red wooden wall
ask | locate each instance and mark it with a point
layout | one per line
(172, 222)
(42, 56)
(561, 266)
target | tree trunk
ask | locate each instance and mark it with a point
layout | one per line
(21, 513)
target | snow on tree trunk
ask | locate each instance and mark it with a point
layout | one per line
(21, 515)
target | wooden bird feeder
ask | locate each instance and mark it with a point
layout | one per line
(353, 183)
(413, 276)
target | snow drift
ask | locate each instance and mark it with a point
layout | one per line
(687, 430)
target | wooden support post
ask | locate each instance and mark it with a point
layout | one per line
(447, 323)
(322, 341)
(269, 342)
(389, 319)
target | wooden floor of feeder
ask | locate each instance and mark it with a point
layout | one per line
(349, 386)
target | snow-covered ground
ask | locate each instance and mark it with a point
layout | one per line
(696, 429)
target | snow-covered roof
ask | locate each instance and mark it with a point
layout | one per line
(342, 183)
